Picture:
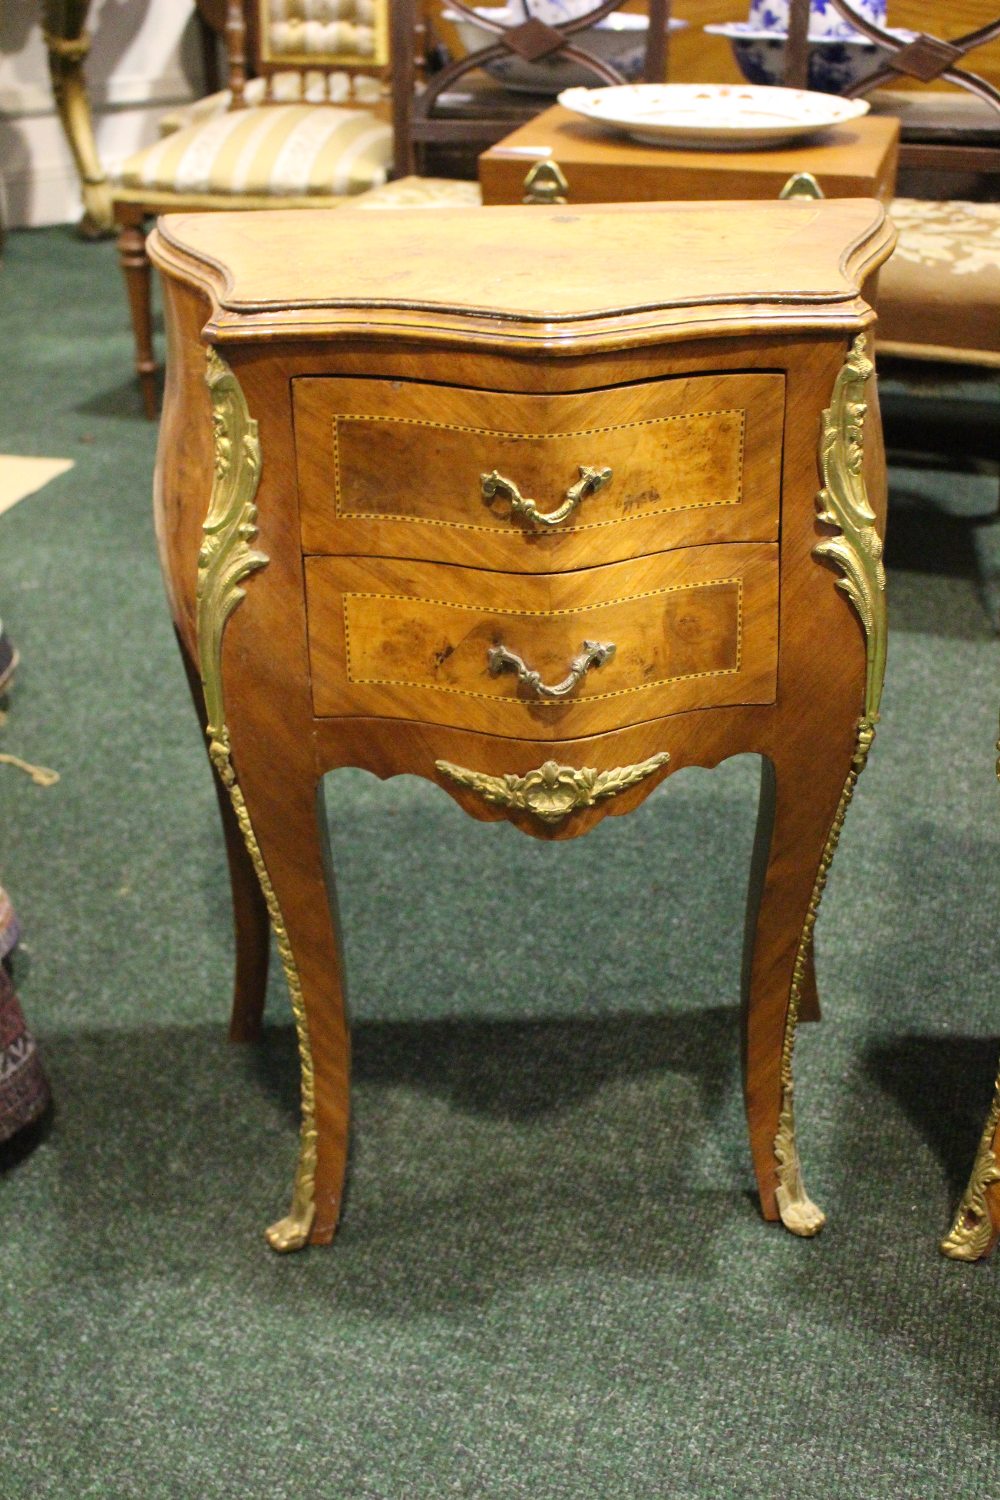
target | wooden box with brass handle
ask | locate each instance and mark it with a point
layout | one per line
(543, 505)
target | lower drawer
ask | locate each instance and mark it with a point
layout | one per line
(553, 655)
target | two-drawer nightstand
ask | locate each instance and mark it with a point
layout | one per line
(542, 505)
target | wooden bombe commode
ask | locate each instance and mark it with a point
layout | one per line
(544, 505)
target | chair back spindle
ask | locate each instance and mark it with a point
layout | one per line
(236, 52)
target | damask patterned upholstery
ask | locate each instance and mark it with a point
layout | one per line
(939, 294)
(421, 192)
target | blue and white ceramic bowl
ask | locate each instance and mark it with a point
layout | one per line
(835, 63)
(620, 39)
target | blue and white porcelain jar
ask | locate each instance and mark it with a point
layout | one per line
(824, 18)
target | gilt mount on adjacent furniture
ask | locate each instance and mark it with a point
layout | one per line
(976, 1227)
(353, 564)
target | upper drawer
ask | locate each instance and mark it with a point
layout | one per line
(397, 468)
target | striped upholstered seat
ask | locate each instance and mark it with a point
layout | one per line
(274, 151)
(307, 128)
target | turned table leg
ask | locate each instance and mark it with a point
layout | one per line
(137, 272)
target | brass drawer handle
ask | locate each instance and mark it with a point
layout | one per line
(590, 481)
(594, 654)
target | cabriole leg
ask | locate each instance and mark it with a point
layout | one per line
(797, 833)
(285, 829)
(250, 921)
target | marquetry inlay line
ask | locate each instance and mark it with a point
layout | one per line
(738, 444)
(583, 611)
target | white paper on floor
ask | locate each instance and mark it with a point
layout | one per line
(21, 477)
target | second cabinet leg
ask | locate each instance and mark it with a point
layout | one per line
(286, 835)
(798, 829)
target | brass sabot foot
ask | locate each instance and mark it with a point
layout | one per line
(291, 1233)
(970, 1238)
(800, 1215)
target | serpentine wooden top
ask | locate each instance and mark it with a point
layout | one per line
(569, 278)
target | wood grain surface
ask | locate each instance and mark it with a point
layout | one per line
(692, 628)
(421, 617)
(395, 468)
(501, 281)
(853, 160)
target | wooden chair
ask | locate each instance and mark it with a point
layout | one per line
(422, 115)
(292, 137)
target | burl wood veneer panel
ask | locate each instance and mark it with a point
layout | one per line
(694, 628)
(395, 467)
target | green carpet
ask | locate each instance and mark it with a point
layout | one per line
(551, 1280)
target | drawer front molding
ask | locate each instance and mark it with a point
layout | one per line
(552, 792)
(693, 628)
(520, 481)
(225, 559)
(856, 551)
(360, 610)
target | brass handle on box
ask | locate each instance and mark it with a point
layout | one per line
(590, 481)
(545, 183)
(594, 654)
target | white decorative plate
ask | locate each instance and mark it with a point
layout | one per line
(711, 116)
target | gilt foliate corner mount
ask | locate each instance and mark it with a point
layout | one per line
(225, 559)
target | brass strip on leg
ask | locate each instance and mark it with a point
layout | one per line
(225, 559)
(975, 1229)
(857, 552)
(798, 1212)
(973, 1232)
